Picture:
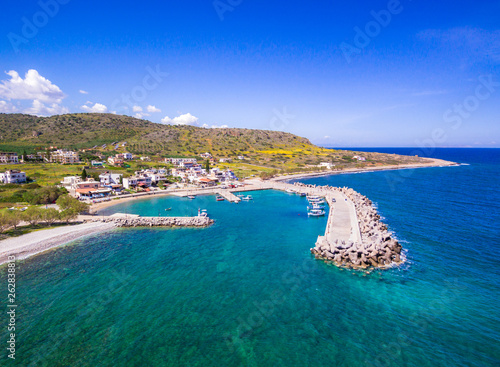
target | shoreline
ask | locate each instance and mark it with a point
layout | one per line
(433, 162)
(207, 191)
(34, 243)
(40, 241)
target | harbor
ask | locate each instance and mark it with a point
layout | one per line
(354, 237)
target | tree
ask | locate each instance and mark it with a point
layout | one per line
(13, 218)
(43, 195)
(32, 215)
(66, 202)
(4, 220)
(49, 216)
(84, 175)
(207, 166)
(67, 215)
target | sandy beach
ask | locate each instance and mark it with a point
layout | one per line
(431, 162)
(36, 242)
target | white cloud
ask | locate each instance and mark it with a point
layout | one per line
(141, 115)
(137, 109)
(206, 126)
(185, 119)
(83, 91)
(40, 109)
(33, 86)
(152, 109)
(6, 107)
(96, 108)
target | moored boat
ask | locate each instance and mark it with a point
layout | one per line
(219, 198)
(312, 207)
(316, 213)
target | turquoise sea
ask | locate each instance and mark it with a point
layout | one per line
(247, 292)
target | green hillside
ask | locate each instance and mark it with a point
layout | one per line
(261, 148)
(85, 130)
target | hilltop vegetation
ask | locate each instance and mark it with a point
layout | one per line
(85, 130)
(264, 150)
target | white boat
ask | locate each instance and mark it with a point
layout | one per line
(248, 197)
(290, 191)
(313, 197)
(202, 213)
(302, 194)
(191, 197)
(313, 207)
(316, 213)
(317, 201)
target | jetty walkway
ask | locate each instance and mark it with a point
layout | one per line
(342, 222)
(228, 195)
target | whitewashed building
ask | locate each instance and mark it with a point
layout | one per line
(108, 178)
(12, 176)
(9, 157)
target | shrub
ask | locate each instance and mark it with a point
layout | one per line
(43, 195)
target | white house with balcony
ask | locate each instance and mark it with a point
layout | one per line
(12, 176)
(108, 178)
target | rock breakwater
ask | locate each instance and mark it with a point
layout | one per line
(156, 221)
(377, 249)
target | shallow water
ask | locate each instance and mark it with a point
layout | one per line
(247, 291)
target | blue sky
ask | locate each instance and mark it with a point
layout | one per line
(366, 73)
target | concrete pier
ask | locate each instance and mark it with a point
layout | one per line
(342, 222)
(228, 195)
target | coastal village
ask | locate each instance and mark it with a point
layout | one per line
(175, 172)
(354, 237)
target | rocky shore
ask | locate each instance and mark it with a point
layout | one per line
(377, 249)
(136, 221)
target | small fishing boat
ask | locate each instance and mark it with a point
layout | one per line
(302, 194)
(191, 196)
(167, 209)
(316, 213)
(318, 202)
(240, 196)
(202, 213)
(313, 207)
(247, 198)
(219, 198)
(290, 191)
